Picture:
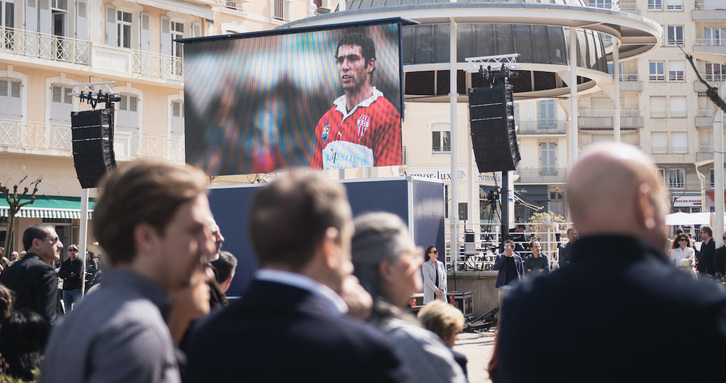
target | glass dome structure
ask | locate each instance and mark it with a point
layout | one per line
(538, 30)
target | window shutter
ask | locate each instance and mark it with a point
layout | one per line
(81, 20)
(31, 15)
(196, 29)
(165, 47)
(145, 43)
(44, 16)
(111, 32)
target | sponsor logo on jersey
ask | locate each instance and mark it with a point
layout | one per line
(326, 131)
(363, 123)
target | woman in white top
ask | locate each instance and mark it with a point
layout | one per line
(683, 255)
(434, 275)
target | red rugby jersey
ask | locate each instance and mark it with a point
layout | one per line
(374, 123)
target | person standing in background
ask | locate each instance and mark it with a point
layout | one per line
(71, 271)
(434, 274)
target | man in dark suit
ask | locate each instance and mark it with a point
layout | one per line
(32, 278)
(708, 251)
(510, 266)
(609, 315)
(290, 326)
(565, 252)
(719, 261)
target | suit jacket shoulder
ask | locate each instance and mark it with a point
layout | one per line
(274, 322)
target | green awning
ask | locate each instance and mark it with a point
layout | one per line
(57, 207)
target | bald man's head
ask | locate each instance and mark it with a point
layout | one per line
(615, 189)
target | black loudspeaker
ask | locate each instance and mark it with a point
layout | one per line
(93, 155)
(491, 117)
(463, 211)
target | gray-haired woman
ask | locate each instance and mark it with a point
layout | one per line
(388, 265)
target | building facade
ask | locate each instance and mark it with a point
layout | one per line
(46, 46)
(665, 110)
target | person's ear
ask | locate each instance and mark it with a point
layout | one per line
(645, 208)
(330, 248)
(145, 237)
(371, 65)
(386, 270)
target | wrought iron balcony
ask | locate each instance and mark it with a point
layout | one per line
(44, 46)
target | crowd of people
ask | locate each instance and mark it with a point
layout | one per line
(159, 313)
(328, 303)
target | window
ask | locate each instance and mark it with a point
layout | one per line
(61, 104)
(7, 20)
(279, 11)
(714, 36)
(712, 178)
(122, 28)
(679, 142)
(441, 138)
(676, 70)
(677, 107)
(655, 5)
(657, 71)
(547, 114)
(59, 9)
(611, 71)
(127, 115)
(607, 4)
(662, 174)
(674, 35)
(674, 5)
(658, 107)
(659, 142)
(124, 23)
(177, 118)
(676, 178)
(715, 72)
(547, 158)
(10, 103)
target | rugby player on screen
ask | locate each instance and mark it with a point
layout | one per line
(363, 128)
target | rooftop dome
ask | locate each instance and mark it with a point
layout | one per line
(536, 29)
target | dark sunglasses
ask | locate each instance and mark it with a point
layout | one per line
(435, 251)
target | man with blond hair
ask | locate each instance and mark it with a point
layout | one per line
(152, 222)
(620, 311)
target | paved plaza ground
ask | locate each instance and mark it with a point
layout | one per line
(478, 349)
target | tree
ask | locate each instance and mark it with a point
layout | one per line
(547, 220)
(15, 203)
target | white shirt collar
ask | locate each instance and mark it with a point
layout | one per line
(336, 303)
(341, 107)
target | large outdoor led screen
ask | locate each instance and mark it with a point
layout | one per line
(324, 98)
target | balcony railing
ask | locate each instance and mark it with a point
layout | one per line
(716, 77)
(24, 135)
(608, 113)
(713, 42)
(542, 175)
(21, 136)
(541, 127)
(157, 65)
(629, 77)
(44, 46)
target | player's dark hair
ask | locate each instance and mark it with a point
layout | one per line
(368, 49)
